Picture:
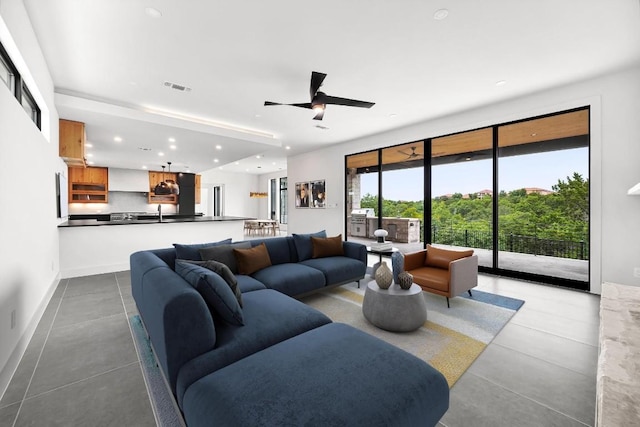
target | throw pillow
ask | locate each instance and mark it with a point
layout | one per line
(192, 251)
(331, 246)
(441, 258)
(223, 271)
(252, 260)
(224, 254)
(303, 244)
(214, 290)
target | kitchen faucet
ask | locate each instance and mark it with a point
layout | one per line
(159, 213)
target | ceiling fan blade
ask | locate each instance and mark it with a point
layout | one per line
(301, 105)
(348, 102)
(320, 115)
(316, 82)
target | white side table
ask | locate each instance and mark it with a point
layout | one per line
(394, 309)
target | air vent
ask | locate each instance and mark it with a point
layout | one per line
(144, 148)
(178, 87)
(322, 127)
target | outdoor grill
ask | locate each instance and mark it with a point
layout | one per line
(359, 221)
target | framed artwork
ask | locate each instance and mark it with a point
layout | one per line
(318, 194)
(302, 194)
(311, 194)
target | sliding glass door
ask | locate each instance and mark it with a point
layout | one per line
(462, 192)
(517, 193)
(543, 169)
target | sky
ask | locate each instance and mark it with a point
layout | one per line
(542, 170)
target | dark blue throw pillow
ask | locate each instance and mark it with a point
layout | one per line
(304, 247)
(214, 290)
(192, 251)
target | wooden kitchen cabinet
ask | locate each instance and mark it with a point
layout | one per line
(156, 178)
(71, 143)
(198, 188)
(88, 185)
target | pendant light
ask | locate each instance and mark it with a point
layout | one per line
(162, 188)
(173, 186)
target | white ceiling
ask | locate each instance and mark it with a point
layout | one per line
(109, 60)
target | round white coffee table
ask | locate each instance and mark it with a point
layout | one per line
(394, 309)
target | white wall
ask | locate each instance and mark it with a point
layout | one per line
(614, 168)
(29, 258)
(236, 189)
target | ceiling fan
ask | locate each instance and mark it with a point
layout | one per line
(319, 100)
(412, 155)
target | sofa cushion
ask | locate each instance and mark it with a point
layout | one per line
(338, 269)
(281, 249)
(291, 279)
(224, 254)
(214, 290)
(269, 317)
(319, 378)
(248, 283)
(223, 271)
(252, 259)
(324, 247)
(441, 258)
(303, 244)
(192, 251)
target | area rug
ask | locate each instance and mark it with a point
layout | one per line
(451, 338)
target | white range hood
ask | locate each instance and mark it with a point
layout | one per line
(128, 180)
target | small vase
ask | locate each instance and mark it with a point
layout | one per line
(384, 276)
(405, 280)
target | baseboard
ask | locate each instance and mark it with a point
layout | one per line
(11, 366)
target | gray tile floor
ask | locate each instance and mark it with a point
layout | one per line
(81, 367)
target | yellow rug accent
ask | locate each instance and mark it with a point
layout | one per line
(457, 356)
(447, 350)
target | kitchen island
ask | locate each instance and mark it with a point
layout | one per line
(90, 246)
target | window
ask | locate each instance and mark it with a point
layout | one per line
(7, 72)
(11, 78)
(517, 193)
(30, 106)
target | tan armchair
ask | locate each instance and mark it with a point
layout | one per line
(439, 271)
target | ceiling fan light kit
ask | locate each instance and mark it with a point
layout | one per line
(320, 100)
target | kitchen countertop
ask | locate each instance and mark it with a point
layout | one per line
(95, 222)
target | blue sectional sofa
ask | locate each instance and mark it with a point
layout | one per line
(274, 360)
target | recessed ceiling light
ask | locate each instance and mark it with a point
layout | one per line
(88, 144)
(258, 156)
(215, 160)
(91, 163)
(218, 147)
(393, 115)
(172, 140)
(144, 167)
(287, 148)
(440, 14)
(501, 82)
(117, 139)
(160, 153)
(89, 155)
(258, 115)
(273, 163)
(173, 147)
(154, 13)
(236, 163)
